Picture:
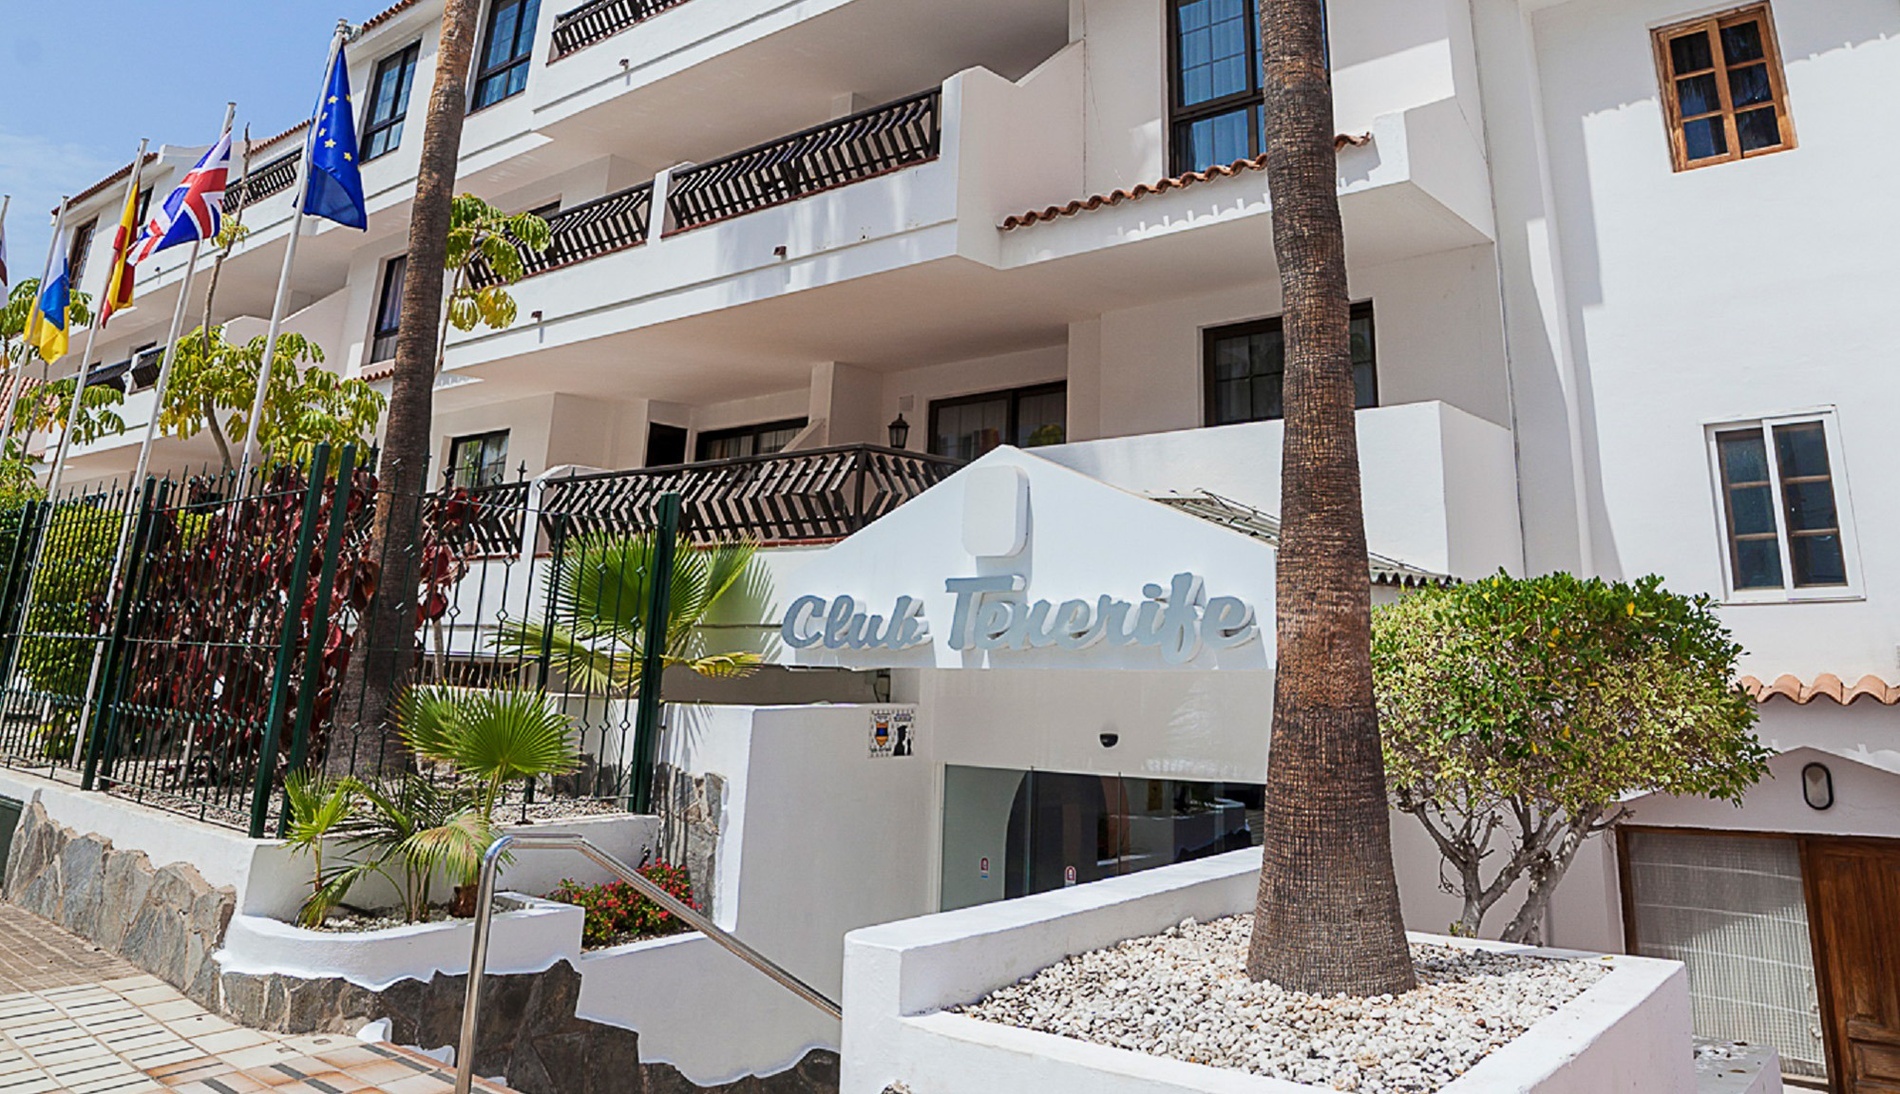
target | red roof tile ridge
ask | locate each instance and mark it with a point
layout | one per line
(107, 181)
(1825, 685)
(1176, 182)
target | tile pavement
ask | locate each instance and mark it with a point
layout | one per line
(75, 1018)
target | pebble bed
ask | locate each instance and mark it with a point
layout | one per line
(1185, 994)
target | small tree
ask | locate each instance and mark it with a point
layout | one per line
(485, 247)
(47, 407)
(213, 382)
(1529, 708)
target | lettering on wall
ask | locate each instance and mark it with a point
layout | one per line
(992, 613)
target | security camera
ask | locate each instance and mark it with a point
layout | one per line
(1109, 740)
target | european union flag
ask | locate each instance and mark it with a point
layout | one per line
(335, 190)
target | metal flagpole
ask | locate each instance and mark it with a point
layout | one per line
(136, 487)
(85, 362)
(32, 320)
(301, 192)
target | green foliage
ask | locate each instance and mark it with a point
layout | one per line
(19, 485)
(48, 406)
(214, 382)
(407, 831)
(600, 594)
(480, 232)
(318, 808)
(617, 912)
(69, 586)
(491, 737)
(1536, 705)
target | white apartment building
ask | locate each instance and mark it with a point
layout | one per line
(1623, 272)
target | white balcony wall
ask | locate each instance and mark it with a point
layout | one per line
(1438, 485)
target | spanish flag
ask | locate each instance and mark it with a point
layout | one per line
(47, 328)
(119, 282)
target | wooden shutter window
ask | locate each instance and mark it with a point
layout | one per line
(1724, 94)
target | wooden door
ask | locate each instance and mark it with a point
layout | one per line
(1854, 903)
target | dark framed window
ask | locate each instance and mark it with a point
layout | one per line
(507, 46)
(1027, 417)
(749, 440)
(479, 459)
(145, 203)
(1245, 368)
(1781, 517)
(1724, 95)
(1214, 62)
(389, 102)
(78, 251)
(389, 310)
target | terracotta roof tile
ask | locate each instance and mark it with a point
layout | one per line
(116, 176)
(386, 14)
(381, 370)
(1825, 686)
(1177, 182)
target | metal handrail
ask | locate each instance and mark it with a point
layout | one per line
(484, 914)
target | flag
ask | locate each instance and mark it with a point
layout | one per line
(3, 259)
(48, 331)
(335, 187)
(119, 278)
(194, 210)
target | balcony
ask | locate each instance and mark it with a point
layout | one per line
(274, 177)
(785, 498)
(601, 19)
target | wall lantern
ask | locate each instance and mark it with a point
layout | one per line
(1817, 786)
(900, 432)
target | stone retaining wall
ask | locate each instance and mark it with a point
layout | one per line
(167, 920)
(529, 1032)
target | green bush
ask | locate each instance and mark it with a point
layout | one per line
(616, 912)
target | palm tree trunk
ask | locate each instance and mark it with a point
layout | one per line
(386, 645)
(1327, 919)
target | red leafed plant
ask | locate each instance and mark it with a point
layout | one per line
(617, 913)
(206, 629)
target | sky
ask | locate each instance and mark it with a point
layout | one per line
(82, 80)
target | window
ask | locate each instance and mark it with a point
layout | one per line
(1784, 524)
(389, 102)
(1245, 369)
(80, 249)
(1027, 417)
(750, 440)
(389, 310)
(506, 46)
(145, 203)
(480, 459)
(1722, 88)
(1215, 58)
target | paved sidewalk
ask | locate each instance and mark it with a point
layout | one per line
(73, 1018)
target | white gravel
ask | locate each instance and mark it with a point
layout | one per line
(1185, 994)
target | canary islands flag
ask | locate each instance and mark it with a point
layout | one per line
(49, 332)
(335, 187)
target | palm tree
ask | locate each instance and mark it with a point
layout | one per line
(1327, 919)
(600, 594)
(377, 671)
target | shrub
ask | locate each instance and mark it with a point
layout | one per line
(617, 913)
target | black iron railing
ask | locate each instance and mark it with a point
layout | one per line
(274, 177)
(868, 143)
(589, 230)
(789, 497)
(589, 23)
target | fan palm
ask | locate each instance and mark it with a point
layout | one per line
(318, 806)
(600, 593)
(415, 829)
(491, 737)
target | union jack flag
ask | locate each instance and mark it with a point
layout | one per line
(194, 210)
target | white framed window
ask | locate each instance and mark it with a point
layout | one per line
(1785, 515)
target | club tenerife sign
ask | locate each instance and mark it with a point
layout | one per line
(991, 613)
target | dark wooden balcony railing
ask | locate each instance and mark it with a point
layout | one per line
(870, 142)
(600, 19)
(789, 497)
(274, 177)
(589, 230)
